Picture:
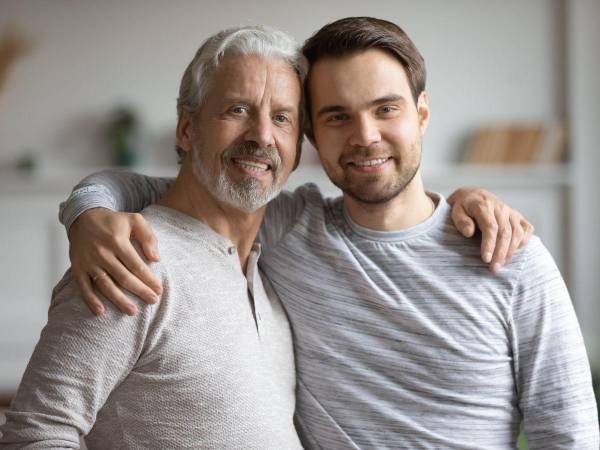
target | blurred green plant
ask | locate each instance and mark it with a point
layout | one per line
(522, 442)
(121, 132)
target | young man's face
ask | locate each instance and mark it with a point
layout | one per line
(243, 140)
(367, 128)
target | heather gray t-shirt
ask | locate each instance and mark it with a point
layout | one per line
(405, 340)
(210, 366)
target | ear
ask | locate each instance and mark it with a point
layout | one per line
(184, 133)
(423, 112)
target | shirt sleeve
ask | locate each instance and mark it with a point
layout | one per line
(112, 189)
(78, 361)
(552, 371)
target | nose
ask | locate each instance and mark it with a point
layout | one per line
(365, 132)
(261, 131)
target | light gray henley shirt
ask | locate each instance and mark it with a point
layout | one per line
(211, 366)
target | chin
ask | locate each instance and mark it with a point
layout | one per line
(372, 198)
(376, 190)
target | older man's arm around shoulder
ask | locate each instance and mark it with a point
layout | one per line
(552, 371)
(78, 361)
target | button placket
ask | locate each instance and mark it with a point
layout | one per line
(253, 284)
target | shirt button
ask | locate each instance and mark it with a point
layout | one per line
(231, 250)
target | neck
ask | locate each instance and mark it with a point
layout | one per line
(408, 209)
(189, 196)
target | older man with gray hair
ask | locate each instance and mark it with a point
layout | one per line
(212, 364)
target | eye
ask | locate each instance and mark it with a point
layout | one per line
(238, 109)
(337, 117)
(281, 118)
(387, 109)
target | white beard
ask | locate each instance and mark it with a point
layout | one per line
(249, 194)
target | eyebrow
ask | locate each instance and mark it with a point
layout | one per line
(390, 98)
(287, 108)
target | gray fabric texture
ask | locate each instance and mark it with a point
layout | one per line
(210, 366)
(405, 340)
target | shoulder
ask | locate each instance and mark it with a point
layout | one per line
(304, 208)
(186, 245)
(297, 199)
(176, 233)
(535, 257)
(69, 311)
(309, 194)
(538, 271)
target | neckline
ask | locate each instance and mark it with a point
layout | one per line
(194, 228)
(436, 220)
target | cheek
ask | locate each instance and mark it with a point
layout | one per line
(329, 142)
(402, 134)
(226, 133)
(330, 160)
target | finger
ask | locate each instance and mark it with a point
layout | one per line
(503, 239)
(483, 214)
(518, 233)
(87, 292)
(462, 221)
(134, 263)
(107, 287)
(125, 279)
(142, 233)
(529, 230)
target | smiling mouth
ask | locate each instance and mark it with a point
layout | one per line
(369, 162)
(252, 164)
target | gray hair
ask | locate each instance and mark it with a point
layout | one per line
(248, 40)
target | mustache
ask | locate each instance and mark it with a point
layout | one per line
(253, 149)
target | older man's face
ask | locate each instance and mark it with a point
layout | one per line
(244, 138)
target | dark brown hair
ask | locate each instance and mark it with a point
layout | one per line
(354, 34)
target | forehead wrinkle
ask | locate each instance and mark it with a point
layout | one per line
(259, 84)
(283, 78)
(239, 75)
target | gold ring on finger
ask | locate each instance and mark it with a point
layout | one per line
(100, 275)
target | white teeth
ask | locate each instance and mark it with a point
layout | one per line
(251, 165)
(370, 162)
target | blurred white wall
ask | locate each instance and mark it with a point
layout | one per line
(489, 60)
(486, 60)
(583, 60)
